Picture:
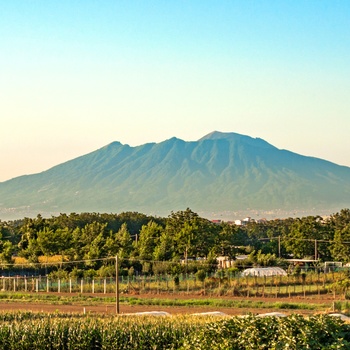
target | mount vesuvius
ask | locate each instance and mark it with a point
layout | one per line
(219, 172)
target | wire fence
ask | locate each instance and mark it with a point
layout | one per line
(218, 284)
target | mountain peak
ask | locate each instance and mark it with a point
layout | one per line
(232, 136)
(215, 135)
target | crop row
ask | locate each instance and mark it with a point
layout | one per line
(68, 332)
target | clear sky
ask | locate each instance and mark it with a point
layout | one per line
(77, 75)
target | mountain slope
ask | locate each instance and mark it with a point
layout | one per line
(221, 171)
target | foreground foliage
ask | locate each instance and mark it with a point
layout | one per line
(24, 330)
(293, 332)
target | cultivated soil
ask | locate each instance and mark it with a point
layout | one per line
(39, 306)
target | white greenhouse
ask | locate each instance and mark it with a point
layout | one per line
(264, 271)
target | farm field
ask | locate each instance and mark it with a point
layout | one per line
(173, 304)
(26, 330)
(64, 320)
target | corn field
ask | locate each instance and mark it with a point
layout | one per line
(21, 331)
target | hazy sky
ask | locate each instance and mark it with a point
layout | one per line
(77, 75)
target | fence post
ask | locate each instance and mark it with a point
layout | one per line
(25, 284)
(59, 286)
(276, 286)
(264, 285)
(188, 284)
(70, 285)
(36, 285)
(14, 284)
(104, 286)
(81, 286)
(47, 285)
(116, 285)
(93, 286)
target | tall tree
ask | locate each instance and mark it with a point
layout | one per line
(228, 240)
(340, 247)
(303, 236)
(191, 234)
(123, 242)
(90, 235)
(148, 240)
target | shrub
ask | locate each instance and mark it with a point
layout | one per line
(201, 275)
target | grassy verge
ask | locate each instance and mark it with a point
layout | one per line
(55, 299)
(228, 303)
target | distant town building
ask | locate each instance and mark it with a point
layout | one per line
(247, 220)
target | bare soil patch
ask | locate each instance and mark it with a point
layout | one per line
(37, 306)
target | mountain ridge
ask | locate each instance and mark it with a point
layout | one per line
(219, 172)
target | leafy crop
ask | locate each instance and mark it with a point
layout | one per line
(293, 332)
(21, 331)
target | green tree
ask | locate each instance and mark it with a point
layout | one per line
(53, 242)
(339, 220)
(94, 250)
(165, 248)
(302, 236)
(6, 251)
(228, 240)
(191, 235)
(124, 242)
(340, 247)
(148, 239)
(89, 240)
(186, 240)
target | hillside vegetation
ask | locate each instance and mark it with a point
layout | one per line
(144, 243)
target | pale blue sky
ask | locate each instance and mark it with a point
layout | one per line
(77, 75)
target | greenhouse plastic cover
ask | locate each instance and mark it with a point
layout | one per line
(264, 271)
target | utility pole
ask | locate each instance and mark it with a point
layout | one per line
(315, 249)
(279, 246)
(116, 285)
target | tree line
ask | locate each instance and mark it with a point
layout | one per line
(157, 244)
